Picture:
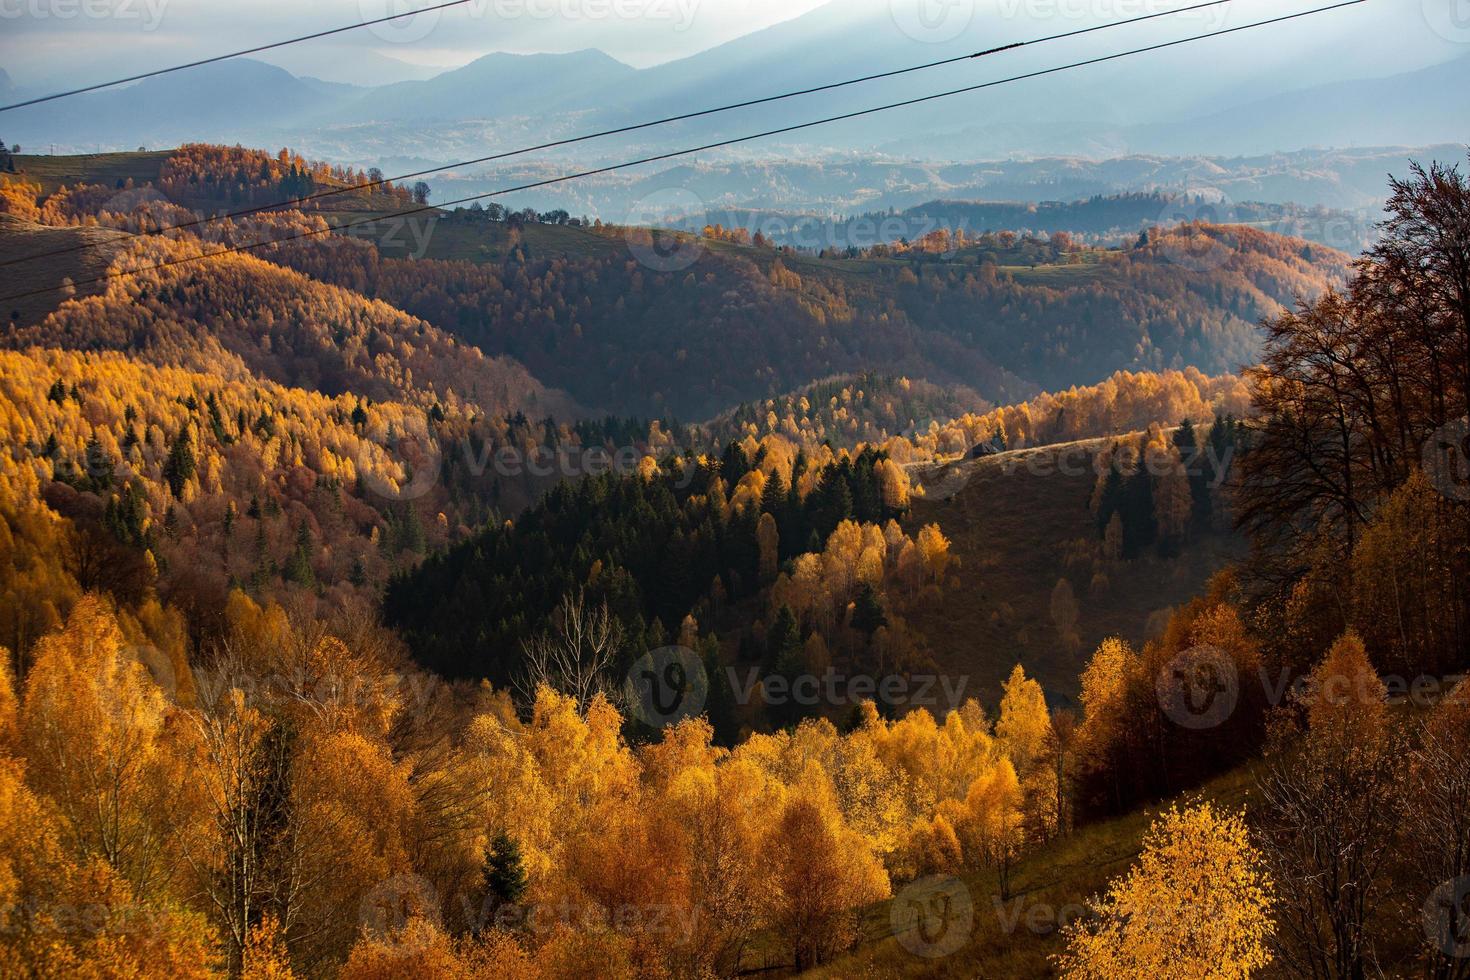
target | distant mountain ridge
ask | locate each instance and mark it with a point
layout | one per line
(1101, 218)
(495, 85)
(1319, 95)
(1425, 105)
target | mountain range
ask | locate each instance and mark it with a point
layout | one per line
(1352, 79)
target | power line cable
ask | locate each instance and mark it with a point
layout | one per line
(700, 149)
(296, 202)
(233, 54)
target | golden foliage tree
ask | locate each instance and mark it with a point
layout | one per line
(1333, 805)
(93, 724)
(1196, 905)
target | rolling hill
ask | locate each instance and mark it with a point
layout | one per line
(1020, 526)
(601, 314)
(20, 238)
(1099, 218)
(1015, 938)
(1168, 105)
(243, 318)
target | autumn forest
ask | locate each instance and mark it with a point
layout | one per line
(391, 589)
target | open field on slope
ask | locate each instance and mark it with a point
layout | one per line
(1018, 523)
(1014, 939)
(91, 168)
(19, 239)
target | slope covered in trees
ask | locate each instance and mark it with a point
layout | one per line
(685, 537)
(1355, 498)
(137, 480)
(664, 336)
(381, 853)
(1099, 218)
(1191, 297)
(205, 730)
(851, 410)
(154, 480)
(1053, 553)
(241, 316)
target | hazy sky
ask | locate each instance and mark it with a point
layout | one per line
(40, 40)
(47, 44)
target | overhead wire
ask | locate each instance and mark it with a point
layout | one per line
(296, 202)
(309, 233)
(233, 54)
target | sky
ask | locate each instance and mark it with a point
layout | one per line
(50, 44)
(42, 39)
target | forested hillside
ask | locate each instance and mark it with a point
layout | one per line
(336, 642)
(1190, 297)
(1105, 218)
(149, 480)
(621, 330)
(242, 317)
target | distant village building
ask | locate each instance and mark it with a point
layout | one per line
(992, 447)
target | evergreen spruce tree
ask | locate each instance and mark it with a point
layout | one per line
(773, 498)
(720, 701)
(180, 466)
(1197, 468)
(411, 531)
(1112, 498)
(734, 464)
(100, 465)
(1140, 525)
(504, 874)
(298, 566)
(867, 611)
(783, 644)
